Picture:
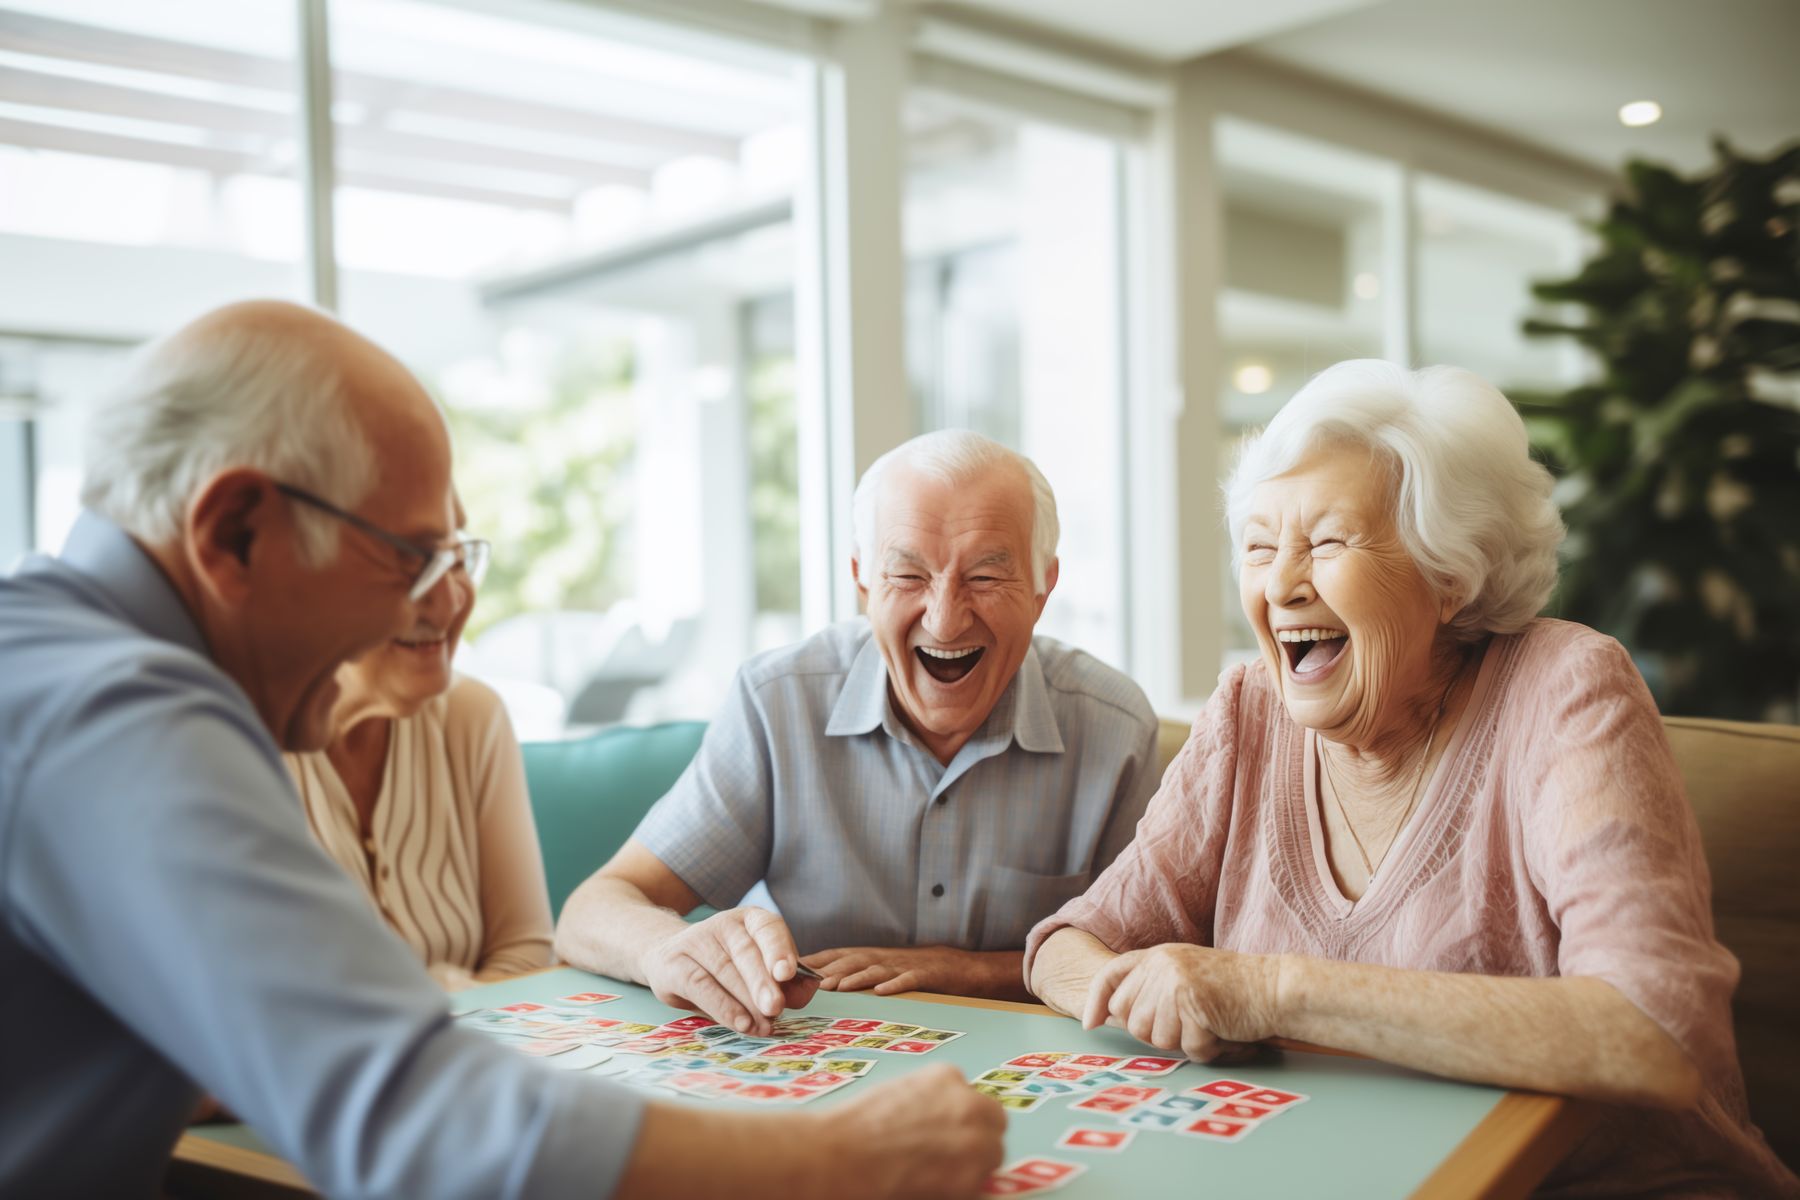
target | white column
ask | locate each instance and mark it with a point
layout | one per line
(317, 177)
(853, 402)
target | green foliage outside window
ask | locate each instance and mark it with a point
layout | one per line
(774, 484)
(1680, 464)
(549, 484)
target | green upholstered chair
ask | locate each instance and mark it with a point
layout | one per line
(588, 794)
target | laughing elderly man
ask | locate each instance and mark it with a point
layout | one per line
(914, 790)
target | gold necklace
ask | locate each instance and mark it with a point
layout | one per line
(1418, 782)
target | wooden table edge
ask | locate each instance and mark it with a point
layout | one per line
(1519, 1142)
(210, 1153)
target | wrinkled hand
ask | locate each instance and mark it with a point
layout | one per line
(886, 970)
(927, 1134)
(1205, 1003)
(737, 967)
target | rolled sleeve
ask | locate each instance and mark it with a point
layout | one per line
(159, 859)
(715, 827)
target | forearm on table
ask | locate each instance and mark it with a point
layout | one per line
(992, 974)
(1064, 967)
(607, 926)
(749, 1155)
(1573, 1036)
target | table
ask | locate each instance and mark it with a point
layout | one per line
(1370, 1129)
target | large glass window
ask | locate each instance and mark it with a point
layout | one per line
(148, 158)
(566, 226)
(1014, 318)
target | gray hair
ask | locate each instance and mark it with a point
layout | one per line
(1471, 505)
(236, 394)
(954, 456)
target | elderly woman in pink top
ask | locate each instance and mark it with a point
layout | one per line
(1428, 826)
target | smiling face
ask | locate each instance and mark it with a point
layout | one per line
(1347, 624)
(399, 676)
(950, 597)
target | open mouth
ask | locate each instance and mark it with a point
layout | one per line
(948, 666)
(1311, 651)
(420, 645)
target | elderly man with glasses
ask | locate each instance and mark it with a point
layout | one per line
(167, 923)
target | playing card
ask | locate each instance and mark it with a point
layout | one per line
(1222, 1089)
(1236, 1110)
(1044, 1170)
(1214, 1129)
(1068, 1074)
(897, 1030)
(1003, 1075)
(1272, 1098)
(1105, 1141)
(1185, 1105)
(872, 1042)
(832, 1037)
(1150, 1066)
(936, 1035)
(543, 1049)
(1036, 1061)
(1156, 1119)
(906, 1046)
(853, 1025)
(1139, 1094)
(847, 1066)
(1047, 1087)
(587, 998)
(1011, 1185)
(1105, 1104)
(522, 1006)
(1106, 1078)
(1023, 1104)
(1094, 1060)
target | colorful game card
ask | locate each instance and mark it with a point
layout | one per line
(1214, 1129)
(1236, 1110)
(1271, 1097)
(1150, 1066)
(1222, 1089)
(588, 998)
(1156, 1119)
(1036, 1061)
(907, 1046)
(1104, 1141)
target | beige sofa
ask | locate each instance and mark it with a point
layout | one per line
(1744, 783)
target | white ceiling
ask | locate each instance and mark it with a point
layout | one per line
(1548, 72)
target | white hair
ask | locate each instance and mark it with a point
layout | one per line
(954, 456)
(1470, 504)
(193, 404)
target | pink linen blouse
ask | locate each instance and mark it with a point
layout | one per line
(1554, 838)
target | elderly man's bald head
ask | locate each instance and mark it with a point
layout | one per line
(263, 384)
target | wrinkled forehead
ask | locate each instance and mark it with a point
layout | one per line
(1337, 481)
(923, 517)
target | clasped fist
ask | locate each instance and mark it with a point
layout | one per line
(1205, 1003)
(737, 967)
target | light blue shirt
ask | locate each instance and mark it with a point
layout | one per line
(166, 921)
(809, 782)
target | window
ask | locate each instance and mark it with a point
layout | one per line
(1014, 318)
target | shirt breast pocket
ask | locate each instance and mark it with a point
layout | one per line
(1017, 900)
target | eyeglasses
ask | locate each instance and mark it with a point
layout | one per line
(470, 555)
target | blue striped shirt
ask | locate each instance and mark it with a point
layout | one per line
(810, 783)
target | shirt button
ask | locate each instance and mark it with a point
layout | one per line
(937, 889)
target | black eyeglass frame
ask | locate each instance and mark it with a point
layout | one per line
(435, 562)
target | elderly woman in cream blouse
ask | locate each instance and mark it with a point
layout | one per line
(1428, 826)
(420, 797)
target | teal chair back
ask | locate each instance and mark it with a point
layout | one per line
(588, 795)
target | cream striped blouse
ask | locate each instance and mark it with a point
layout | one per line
(452, 860)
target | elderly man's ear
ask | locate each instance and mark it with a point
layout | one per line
(1050, 573)
(226, 528)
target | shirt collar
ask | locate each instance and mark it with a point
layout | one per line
(862, 705)
(126, 574)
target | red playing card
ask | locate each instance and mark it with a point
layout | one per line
(1237, 1110)
(1046, 1169)
(1150, 1066)
(1094, 1060)
(818, 1079)
(1112, 1140)
(1064, 1072)
(762, 1091)
(521, 1006)
(854, 1025)
(591, 998)
(1272, 1097)
(1034, 1061)
(1223, 1089)
(1008, 1185)
(828, 1038)
(1106, 1104)
(905, 1047)
(1212, 1127)
(688, 1024)
(1124, 1092)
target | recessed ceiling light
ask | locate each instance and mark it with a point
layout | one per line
(1253, 379)
(1640, 112)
